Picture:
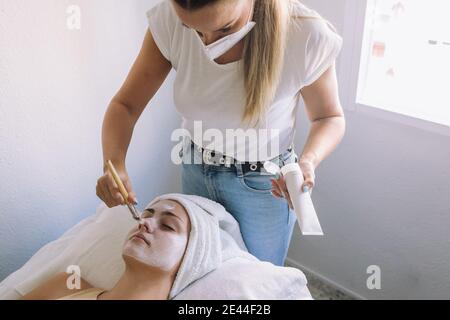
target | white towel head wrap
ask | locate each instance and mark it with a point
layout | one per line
(204, 250)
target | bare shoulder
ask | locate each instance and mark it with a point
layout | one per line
(55, 288)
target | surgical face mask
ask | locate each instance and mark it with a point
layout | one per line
(221, 46)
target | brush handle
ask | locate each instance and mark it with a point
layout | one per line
(118, 181)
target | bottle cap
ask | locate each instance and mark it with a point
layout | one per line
(291, 167)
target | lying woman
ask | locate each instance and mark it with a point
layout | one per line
(177, 244)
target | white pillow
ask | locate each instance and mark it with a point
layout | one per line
(95, 245)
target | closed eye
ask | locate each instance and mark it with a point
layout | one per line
(168, 227)
(173, 218)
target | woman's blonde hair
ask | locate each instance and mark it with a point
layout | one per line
(264, 57)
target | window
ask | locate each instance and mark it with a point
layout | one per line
(405, 58)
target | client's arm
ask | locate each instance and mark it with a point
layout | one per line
(54, 288)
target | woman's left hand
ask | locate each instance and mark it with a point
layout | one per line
(279, 188)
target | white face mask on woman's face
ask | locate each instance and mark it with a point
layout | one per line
(163, 238)
(221, 46)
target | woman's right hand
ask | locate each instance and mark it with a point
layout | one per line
(108, 191)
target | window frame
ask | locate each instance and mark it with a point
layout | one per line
(350, 76)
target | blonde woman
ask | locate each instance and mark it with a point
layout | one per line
(241, 65)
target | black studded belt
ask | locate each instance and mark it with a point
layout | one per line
(218, 159)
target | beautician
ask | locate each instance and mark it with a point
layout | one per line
(240, 64)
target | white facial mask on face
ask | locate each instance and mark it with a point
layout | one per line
(218, 48)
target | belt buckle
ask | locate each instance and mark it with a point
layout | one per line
(218, 158)
(206, 154)
(224, 160)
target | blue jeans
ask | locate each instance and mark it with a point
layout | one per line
(266, 222)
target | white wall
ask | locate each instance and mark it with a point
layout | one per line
(55, 85)
(383, 199)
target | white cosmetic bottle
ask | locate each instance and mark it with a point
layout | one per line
(303, 206)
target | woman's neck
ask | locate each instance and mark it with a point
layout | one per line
(139, 284)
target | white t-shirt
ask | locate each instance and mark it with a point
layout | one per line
(212, 96)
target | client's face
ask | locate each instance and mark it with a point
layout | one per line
(161, 242)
